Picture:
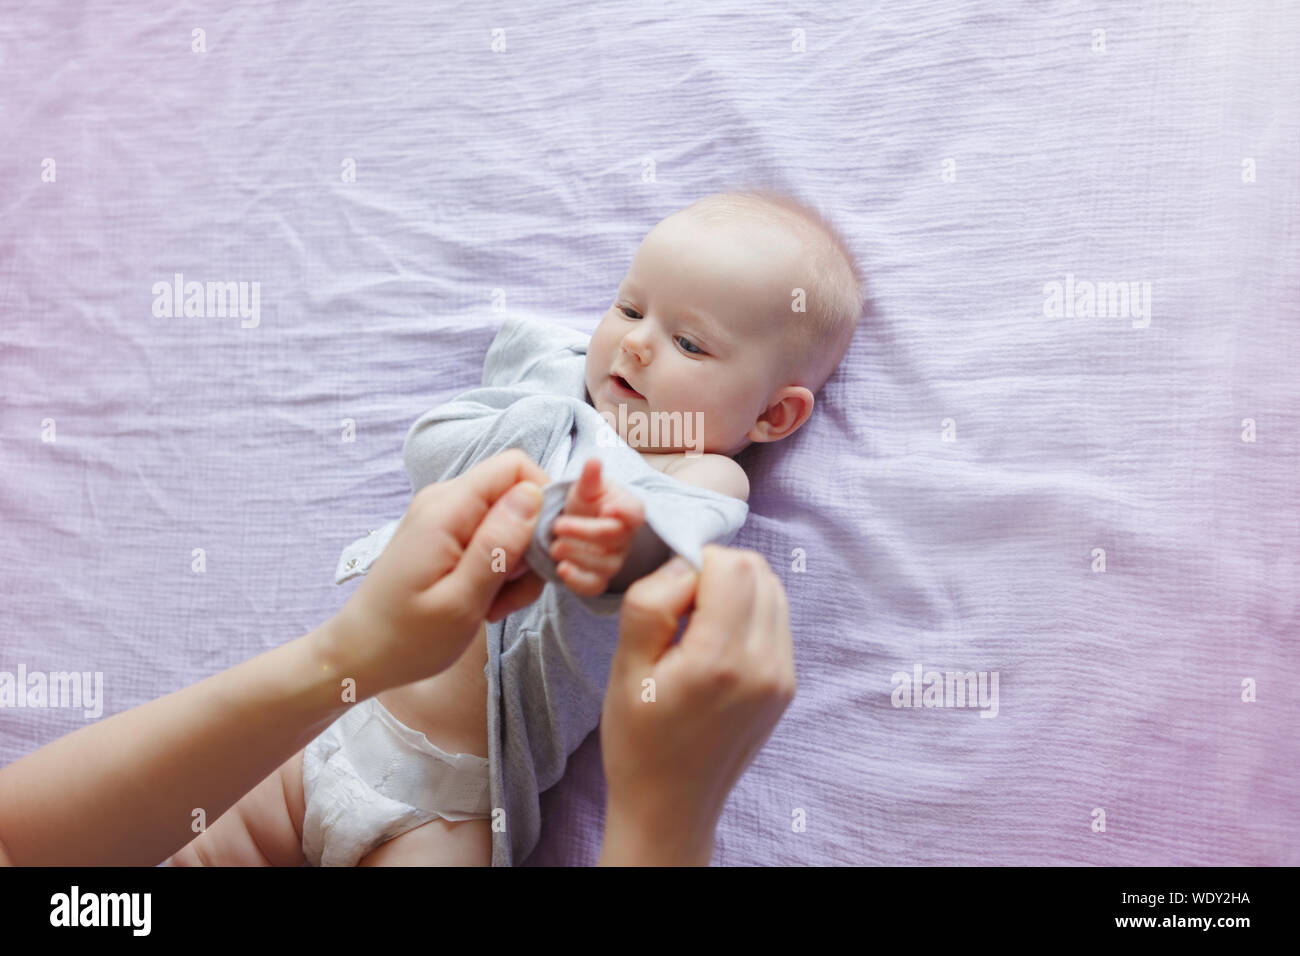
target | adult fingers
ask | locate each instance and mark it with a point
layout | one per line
(653, 607)
(463, 501)
(516, 594)
(495, 549)
(724, 603)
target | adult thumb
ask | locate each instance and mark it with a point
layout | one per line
(497, 546)
(652, 609)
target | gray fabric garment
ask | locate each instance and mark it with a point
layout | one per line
(548, 664)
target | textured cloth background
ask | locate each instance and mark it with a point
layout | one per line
(523, 178)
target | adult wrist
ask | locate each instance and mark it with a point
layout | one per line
(636, 836)
(335, 648)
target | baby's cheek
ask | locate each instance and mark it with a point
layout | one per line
(704, 425)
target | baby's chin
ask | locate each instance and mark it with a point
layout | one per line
(657, 433)
(653, 449)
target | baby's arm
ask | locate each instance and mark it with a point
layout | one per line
(714, 472)
(600, 518)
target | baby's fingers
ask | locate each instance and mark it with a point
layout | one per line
(588, 556)
(584, 494)
(610, 533)
(581, 582)
(627, 508)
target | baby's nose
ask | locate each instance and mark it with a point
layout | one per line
(636, 347)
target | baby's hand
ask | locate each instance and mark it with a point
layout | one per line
(593, 535)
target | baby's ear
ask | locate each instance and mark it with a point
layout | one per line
(789, 409)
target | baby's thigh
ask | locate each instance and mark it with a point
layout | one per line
(263, 829)
(437, 843)
(449, 708)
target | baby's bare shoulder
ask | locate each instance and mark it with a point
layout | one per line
(715, 472)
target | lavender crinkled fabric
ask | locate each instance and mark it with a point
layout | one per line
(1094, 496)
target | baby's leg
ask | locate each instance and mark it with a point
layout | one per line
(263, 829)
(437, 843)
(451, 710)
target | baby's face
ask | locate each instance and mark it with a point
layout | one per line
(696, 327)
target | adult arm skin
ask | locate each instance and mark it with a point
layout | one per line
(122, 791)
(671, 762)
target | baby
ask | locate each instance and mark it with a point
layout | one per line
(733, 313)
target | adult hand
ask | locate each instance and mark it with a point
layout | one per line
(121, 791)
(670, 762)
(454, 561)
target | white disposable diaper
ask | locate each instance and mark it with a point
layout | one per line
(369, 778)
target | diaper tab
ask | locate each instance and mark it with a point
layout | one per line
(357, 557)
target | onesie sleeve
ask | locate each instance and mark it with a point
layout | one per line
(679, 519)
(451, 438)
(533, 355)
(532, 384)
(532, 381)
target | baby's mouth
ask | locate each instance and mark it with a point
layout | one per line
(621, 385)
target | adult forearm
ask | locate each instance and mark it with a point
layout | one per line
(123, 791)
(634, 838)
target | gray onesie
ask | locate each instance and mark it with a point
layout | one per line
(548, 663)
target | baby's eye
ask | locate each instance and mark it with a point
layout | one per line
(689, 346)
(625, 310)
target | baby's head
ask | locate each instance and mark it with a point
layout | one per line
(738, 307)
